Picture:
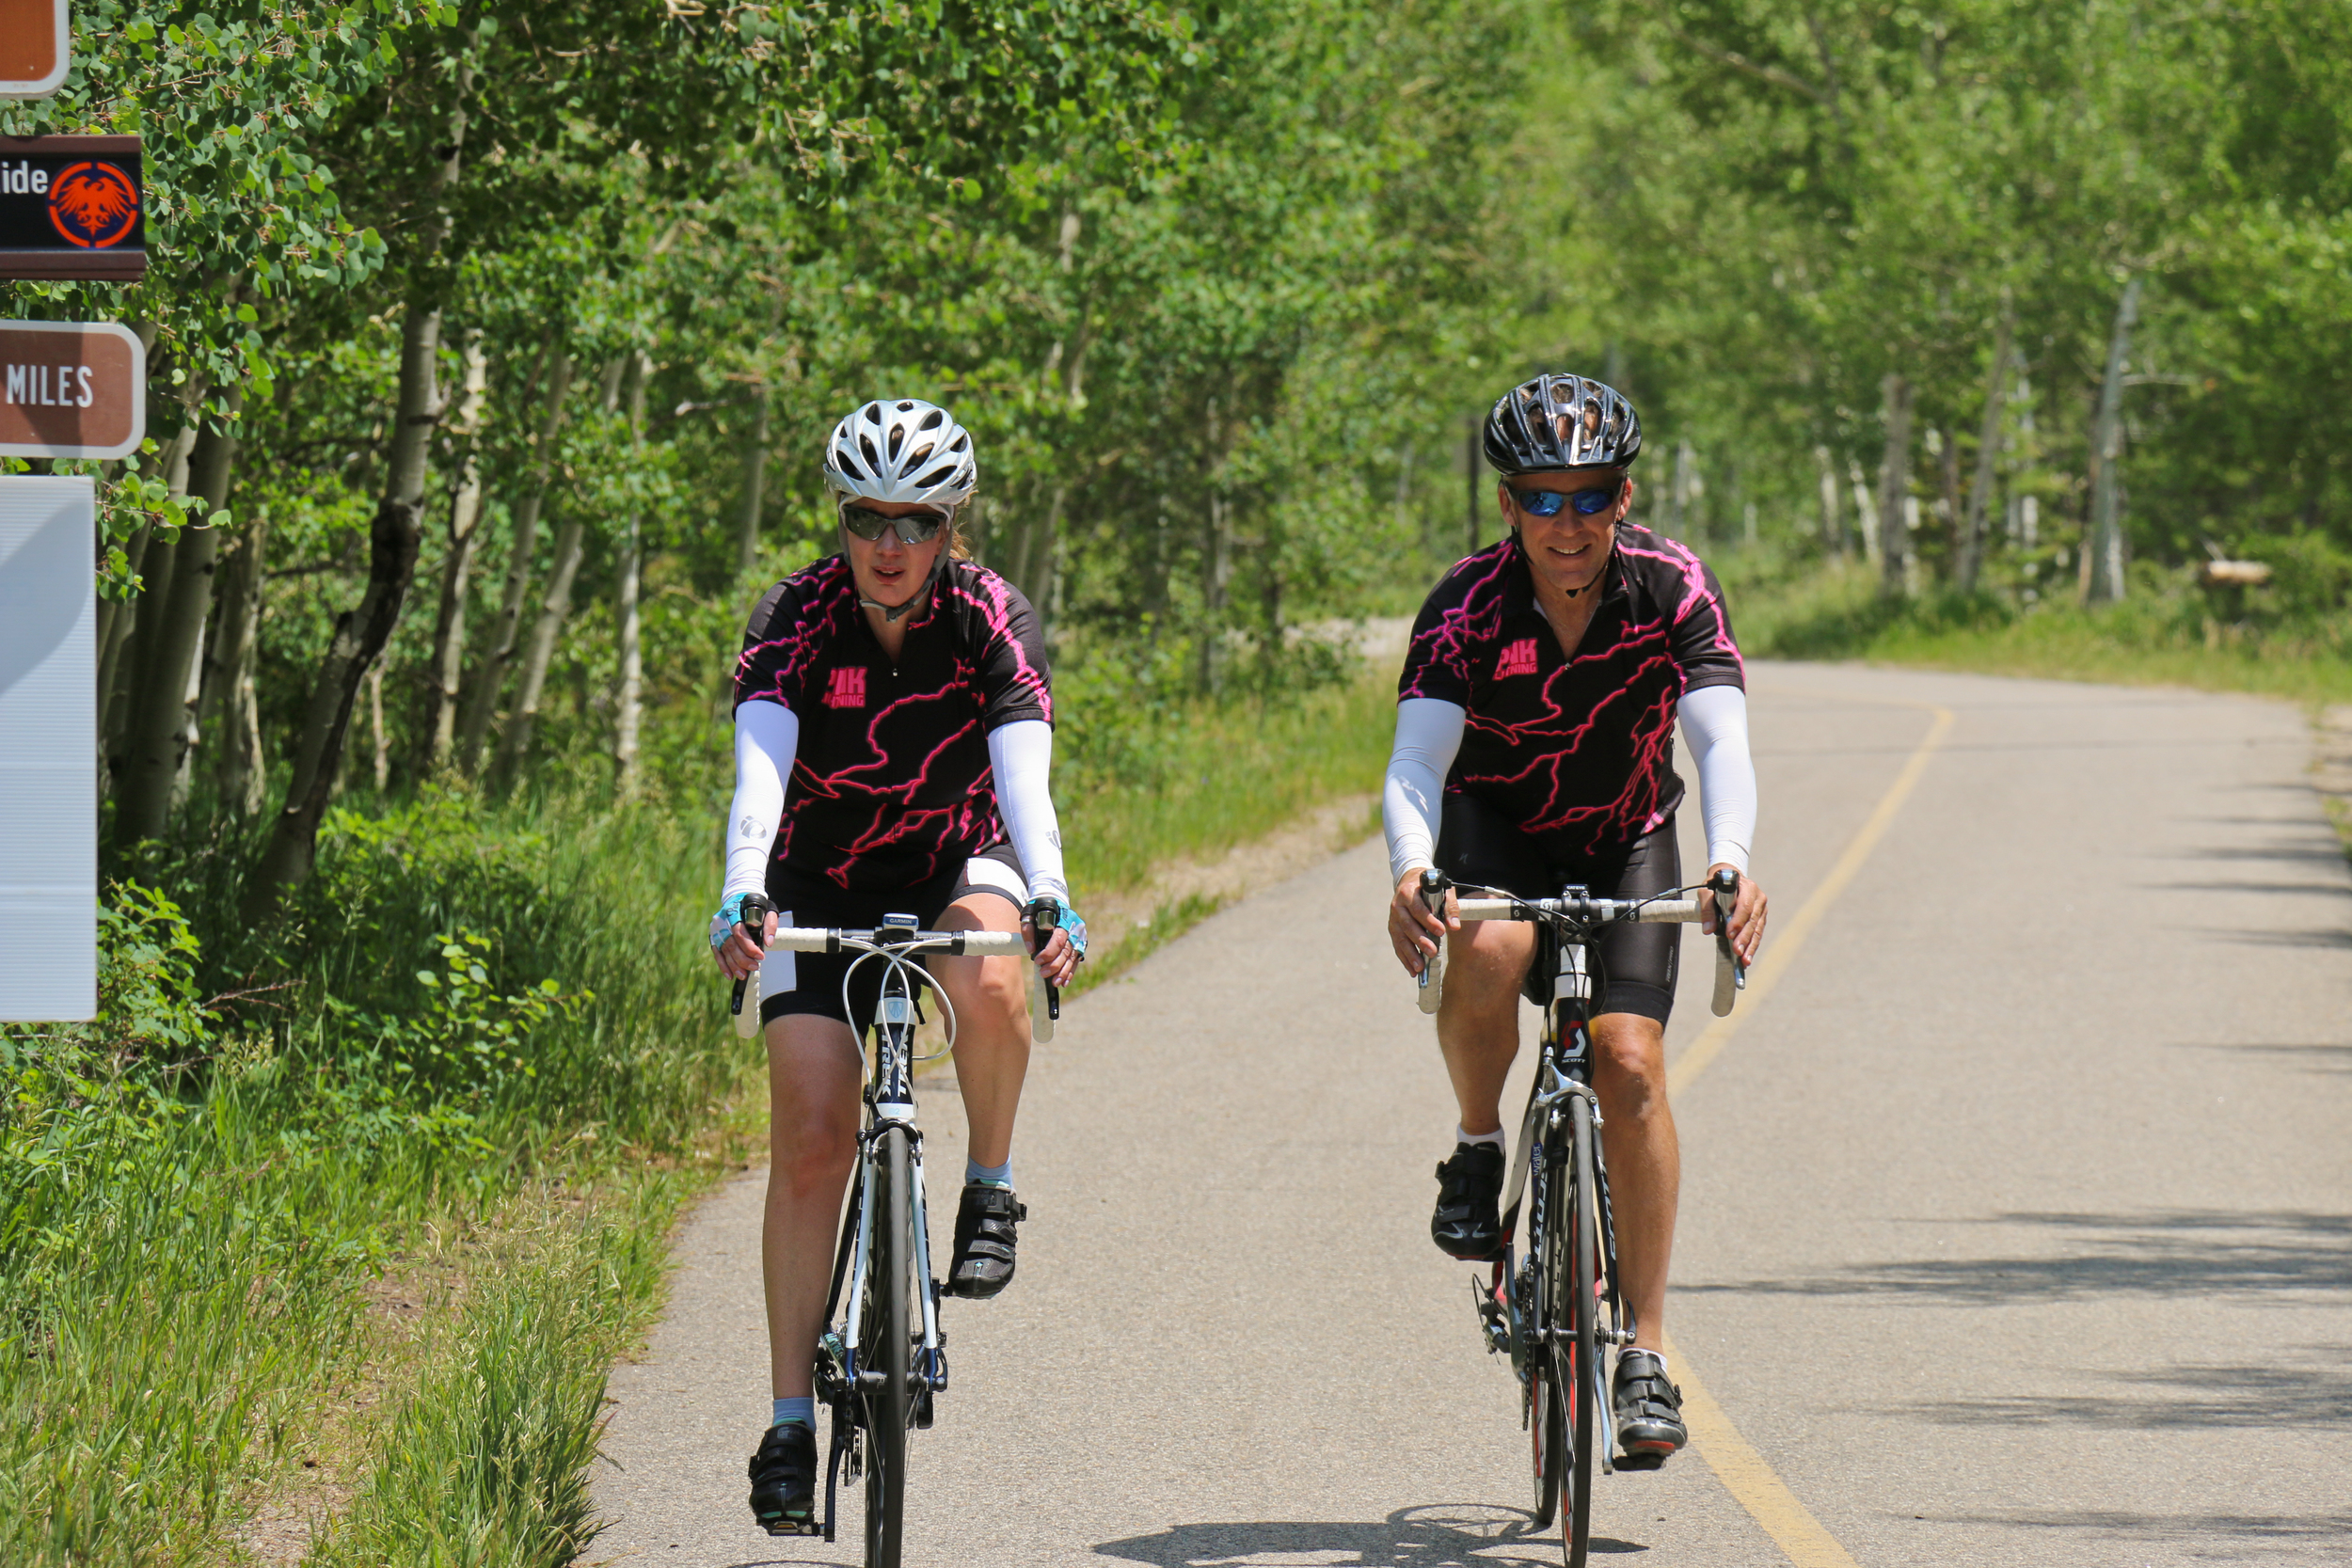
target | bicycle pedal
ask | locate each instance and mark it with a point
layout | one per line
(804, 1527)
(1639, 1462)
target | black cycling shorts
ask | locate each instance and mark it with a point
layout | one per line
(811, 982)
(1634, 965)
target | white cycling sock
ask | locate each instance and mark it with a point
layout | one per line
(1493, 1139)
(802, 1410)
(996, 1176)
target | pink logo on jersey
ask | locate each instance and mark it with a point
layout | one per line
(849, 688)
(1519, 658)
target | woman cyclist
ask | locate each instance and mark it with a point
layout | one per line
(893, 734)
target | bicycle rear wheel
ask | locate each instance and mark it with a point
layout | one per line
(885, 1356)
(1578, 1386)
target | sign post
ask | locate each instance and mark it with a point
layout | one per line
(33, 47)
(48, 750)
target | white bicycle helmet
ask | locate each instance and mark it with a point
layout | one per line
(902, 450)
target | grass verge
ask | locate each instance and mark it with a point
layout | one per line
(2167, 633)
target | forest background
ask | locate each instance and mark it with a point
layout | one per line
(491, 347)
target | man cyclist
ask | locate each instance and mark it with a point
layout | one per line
(892, 735)
(1534, 742)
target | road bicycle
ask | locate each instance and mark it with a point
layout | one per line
(883, 1362)
(1555, 1311)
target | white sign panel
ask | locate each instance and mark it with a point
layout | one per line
(48, 750)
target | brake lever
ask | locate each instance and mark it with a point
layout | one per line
(1434, 884)
(757, 907)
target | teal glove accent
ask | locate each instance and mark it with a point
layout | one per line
(731, 914)
(1066, 920)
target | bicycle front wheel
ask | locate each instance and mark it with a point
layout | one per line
(1580, 1383)
(1547, 1326)
(886, 1378)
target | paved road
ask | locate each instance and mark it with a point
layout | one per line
(2017, 1220)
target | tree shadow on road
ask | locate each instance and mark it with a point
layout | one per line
(2271, 1396)
(2207, 1529)
(1438, 1535)
(2164, 1253)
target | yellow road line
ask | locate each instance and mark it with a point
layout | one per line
(1737, 1465)
(1746, 1477)
(1790, 940)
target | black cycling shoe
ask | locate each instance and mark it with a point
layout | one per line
(783, 1480)
(985, 1240)
(1469, 1186)
(1649, 1411)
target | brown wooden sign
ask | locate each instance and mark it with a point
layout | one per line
(72, 389)
(72, 206)
(34, 46)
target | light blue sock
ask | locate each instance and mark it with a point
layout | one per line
(996, 1176)
(802, 1410)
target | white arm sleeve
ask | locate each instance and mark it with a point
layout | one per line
(1428, 732)
(1022, 755)
(1715, 727)
(766, 736)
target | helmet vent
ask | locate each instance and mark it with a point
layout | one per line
(933, 419)
(920, 454)
(898, 439)
(873, 458)
(937, 475)
(848, 460)
(873, 413)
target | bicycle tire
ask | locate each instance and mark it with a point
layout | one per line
(1583, 1234)
(1547, 1412)
(887, 1405)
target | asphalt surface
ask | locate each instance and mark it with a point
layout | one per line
(2016, 1221)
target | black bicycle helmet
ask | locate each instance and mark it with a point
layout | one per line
(1562, 421)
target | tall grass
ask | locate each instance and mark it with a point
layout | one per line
(1222, 773)
(484, 1462)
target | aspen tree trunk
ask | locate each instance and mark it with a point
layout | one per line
(234, 721)
(1039, 587)
(490, 673)
(755, 484)
(120, 663)
(1894, 485)
(2105, 543)
(156, 738)
(1833, 534)
(445, 668)
(628, 710)
(1215, 567)
(1865, 513)
(1949, 502)
(1972, 536)
(360, 633)
(555, 608)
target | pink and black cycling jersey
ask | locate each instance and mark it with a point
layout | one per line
(1577, 752)
(891, 784)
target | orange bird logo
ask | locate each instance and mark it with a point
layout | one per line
(93, 205)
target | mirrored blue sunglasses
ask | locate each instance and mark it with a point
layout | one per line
(1588, 504)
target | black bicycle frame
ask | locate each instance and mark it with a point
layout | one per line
(1563, 1070)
